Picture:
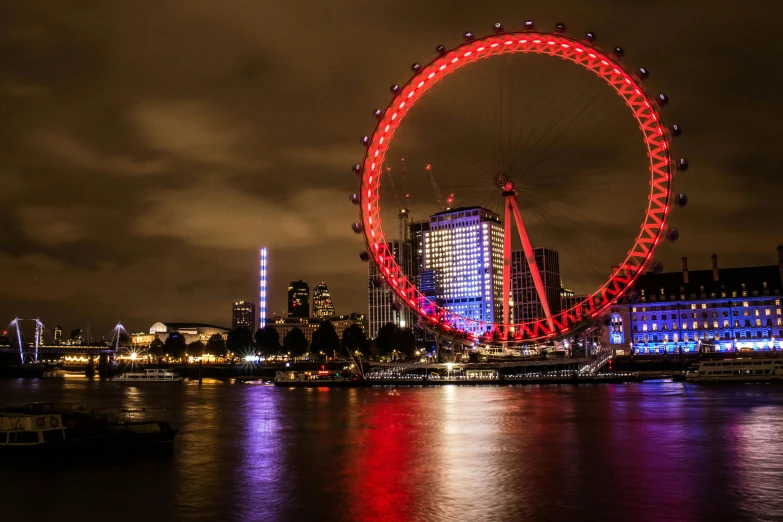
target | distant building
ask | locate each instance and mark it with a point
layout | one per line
(527, 303)
(77, 338)
(284, 325)
(464, 249)
(729, 309)
(383, 307)
(191, 331)
(243, 315)
(57, 335)
(416, 235)
(322, 302)
(568, 299)
(299, 299)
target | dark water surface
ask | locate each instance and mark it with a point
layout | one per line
(652, 451)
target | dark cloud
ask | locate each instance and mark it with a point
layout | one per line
(149, 149)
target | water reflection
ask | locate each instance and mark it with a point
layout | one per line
(657, 451)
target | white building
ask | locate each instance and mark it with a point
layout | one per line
(464, 247)
(383, 308)
(191, 331)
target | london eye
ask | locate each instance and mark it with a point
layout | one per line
(517, 161)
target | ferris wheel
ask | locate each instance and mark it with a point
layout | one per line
(538, 152)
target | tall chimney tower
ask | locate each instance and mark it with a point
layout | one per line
(714, 267)
(685, 270)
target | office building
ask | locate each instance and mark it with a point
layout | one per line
(383, 306)
(527, 303)
(299, 299)
(720, 310)
(243, 315)
(416, 239)
(57, 335)
(464, 249)
(322, 302)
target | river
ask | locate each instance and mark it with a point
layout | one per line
(651, 451)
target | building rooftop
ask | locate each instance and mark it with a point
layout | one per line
(176, 326)
(753, 281)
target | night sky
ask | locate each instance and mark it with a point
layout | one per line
(148, 149)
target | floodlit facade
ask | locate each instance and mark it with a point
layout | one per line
(284, 325)
(718, 310)
(464, 249)
(527, 303)
(192, 332)
(299, 299)
(57, 336)
(322, 301)
(243, 315)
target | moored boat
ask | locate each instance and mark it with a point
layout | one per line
(742, 370)
(155, 375)
(318, 379)
(34, 430)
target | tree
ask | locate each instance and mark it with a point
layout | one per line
(406, 341)
(354, 339)
(157, 347)
(387, 339)
(268, 339)
(216, 345)
(295, 342)
(175, 344)
(239, 340)
(325, 339)
(196, 349)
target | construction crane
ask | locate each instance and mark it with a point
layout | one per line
(443, 204)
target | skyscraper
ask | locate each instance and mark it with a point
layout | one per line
(527, 304)
(417, 231)
(322, 301)
(57, 335)
(243, 315)
(464, 249)
(299, 299)
(383, 308)
(262, 288)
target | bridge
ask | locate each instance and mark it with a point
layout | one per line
(30, 350)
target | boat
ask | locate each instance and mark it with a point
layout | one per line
(34, 430)
(318, 378)
(148, 376)
(136, 427)
(741, 370)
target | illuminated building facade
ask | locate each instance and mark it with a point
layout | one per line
(464, 249)
(192, 332)
(243, 315)
(383, 307)
(322, 302)
(299, 299)
(262, 288)
(717, 310)
(527, 304)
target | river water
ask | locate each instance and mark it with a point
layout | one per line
(651, 451)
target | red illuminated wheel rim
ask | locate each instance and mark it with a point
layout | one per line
(653, 226)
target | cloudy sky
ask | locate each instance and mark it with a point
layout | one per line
(147, 149)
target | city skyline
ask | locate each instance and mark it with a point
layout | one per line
(148, 218)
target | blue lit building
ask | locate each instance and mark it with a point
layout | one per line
(464, 250)
(720, 310)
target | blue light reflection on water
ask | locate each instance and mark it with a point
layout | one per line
(653, 451)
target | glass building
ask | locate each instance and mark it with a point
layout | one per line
(464, 249)
(527, 304)
(383, 307)
(299, 299)
(322, 301)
